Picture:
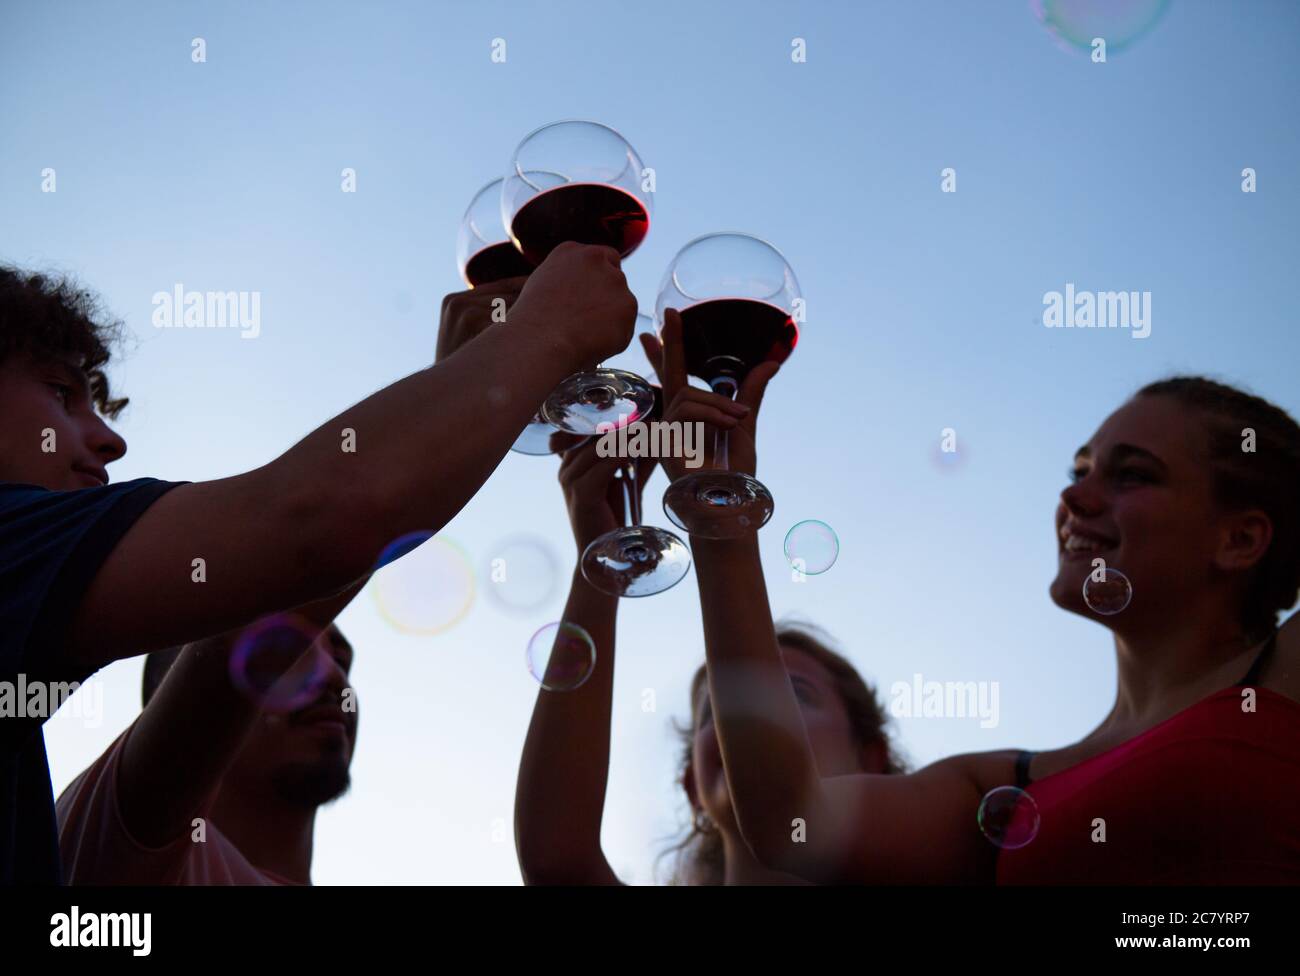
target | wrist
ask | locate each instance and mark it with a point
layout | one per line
(544, 346)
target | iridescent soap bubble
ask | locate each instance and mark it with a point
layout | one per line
(1008, 817)
(1108, 595)
(425, 584)
(277, 663)
(1118, 22)
(812, 547)
(561, 656)
(522, 574)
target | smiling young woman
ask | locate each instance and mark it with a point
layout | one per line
(1193, 776)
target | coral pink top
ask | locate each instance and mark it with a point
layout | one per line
(1211, 795)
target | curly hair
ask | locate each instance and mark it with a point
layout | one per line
(52, 317)
(1267, 478)
(699, 854)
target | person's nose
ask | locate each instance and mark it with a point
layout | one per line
(104, 442)
(1084, 497)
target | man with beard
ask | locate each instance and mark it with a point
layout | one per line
(219, 779)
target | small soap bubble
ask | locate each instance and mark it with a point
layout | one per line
(523, 574)
(1107, 596)
(277, 663)
(561, 656)
(1008, 817)
(812, 546)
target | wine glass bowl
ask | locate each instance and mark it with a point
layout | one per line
(580, 181)
(484, 250)
(575, 180)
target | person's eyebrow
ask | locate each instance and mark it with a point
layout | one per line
(1121, 453)
(72, 372)
(1126, 452)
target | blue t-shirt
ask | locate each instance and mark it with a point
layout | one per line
(52, 544)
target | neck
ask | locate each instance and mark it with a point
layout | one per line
(273, 833)
(742, 868)
(1166, 668)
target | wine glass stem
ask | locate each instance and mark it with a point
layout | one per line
(631, 497)
(724, 386)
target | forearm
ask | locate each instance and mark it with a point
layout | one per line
(560, 796)
(210, 556)
(426, 444)
(194, 725)
(769, 762)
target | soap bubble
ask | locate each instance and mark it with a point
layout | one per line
(1008, 817)
(424, 584)
(1118, 22)
(812, 547)
(1109, 595)
(561, 656)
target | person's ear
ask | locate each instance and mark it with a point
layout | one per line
(688, 784)
(1243, 541)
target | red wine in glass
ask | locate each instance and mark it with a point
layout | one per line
(730, 336)
(495, 263)
(588, 213)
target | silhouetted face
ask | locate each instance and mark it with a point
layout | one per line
(304, 755)
(50, 434)
(825, 719)
(1142, 500)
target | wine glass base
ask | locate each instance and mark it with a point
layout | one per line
(602, 399)
(637, 560)
(718, 504)
(535, 439)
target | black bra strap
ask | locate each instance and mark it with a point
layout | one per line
(1252, 676)
(1022, 768)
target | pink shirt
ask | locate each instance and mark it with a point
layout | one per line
(97, 849)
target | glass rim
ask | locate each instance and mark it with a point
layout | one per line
(514, 156)
(670, 275)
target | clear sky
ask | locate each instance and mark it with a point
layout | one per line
(924, 312)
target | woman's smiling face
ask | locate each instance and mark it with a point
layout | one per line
(1141, 498)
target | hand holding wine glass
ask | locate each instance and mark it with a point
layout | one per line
(688, 404)
(593, 490)
(579, 298)
(466, 314)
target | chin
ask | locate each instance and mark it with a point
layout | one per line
(314, 783)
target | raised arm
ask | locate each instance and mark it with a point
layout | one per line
(194, 725)
(861, 828)
(560, 796)
(314, 520)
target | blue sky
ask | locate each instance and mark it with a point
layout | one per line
(924, 312)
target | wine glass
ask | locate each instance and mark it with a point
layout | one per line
(739, 302)
(635, 559)
(580, 181)
(485, 253)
